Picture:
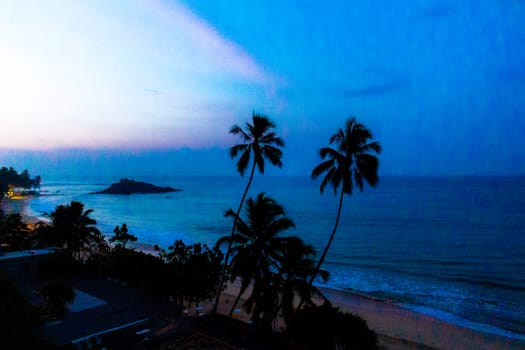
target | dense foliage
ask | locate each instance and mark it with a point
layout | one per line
(11, 179)
(122, 236)
(325, 327)
(72, 229)
(14, 233)
(193, 270)
(276, 266)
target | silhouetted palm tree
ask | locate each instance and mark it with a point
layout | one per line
(71, 227)
(256, 241)
(352, 160)
(296, 266)
(260, 142)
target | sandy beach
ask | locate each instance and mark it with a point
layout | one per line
(398, 328)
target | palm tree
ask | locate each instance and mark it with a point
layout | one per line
(296, 266)
(71, 227)
(260, 142)
(256, 241)
(352, 160)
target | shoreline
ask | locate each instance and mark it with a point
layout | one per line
(436, 314)
(398, 322)
(398, 327)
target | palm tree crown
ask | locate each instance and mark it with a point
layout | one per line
(279, 266)
(352, 159)
(71, 226)
(260, 140)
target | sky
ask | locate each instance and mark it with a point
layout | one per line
(153, 86)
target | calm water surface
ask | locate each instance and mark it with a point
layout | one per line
(453, 247)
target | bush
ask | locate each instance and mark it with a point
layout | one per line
(325, 327)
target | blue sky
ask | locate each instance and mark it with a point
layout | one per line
(107, 86)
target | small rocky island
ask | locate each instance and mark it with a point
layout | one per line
(126, 186)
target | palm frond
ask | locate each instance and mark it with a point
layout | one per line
(337, 138)
(367, 165)
(237, 130)
(358, 177)
(273, 154)
(259, 160)
(242, 164)
(272, 139)
(337, 178)
(234, 150)
(322, 168)
(374, 146)
(327, 179)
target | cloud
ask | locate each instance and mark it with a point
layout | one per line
(220, 52)
(115, 74)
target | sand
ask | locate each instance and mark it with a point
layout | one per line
(398, 328)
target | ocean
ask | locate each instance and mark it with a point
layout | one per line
(451, 247)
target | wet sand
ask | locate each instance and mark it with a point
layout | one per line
(398, 328)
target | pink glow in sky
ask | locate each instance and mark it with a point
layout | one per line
(130, 74)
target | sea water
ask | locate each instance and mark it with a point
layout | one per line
(451, 247)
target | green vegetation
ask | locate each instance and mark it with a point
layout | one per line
(10, 180)
(260, 142)
(14, 233)
(193, 271)
(71, 228)
(122, 237)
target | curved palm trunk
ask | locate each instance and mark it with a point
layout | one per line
(321, 261)
(235, 303)
(228, 251)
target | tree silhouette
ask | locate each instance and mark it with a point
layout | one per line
(260, 142)
(325, 327)
(255, 243)
(72, 228)
(352, 160)
(122, 237)
(14, 233)
(295, 267)
(11, 179)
